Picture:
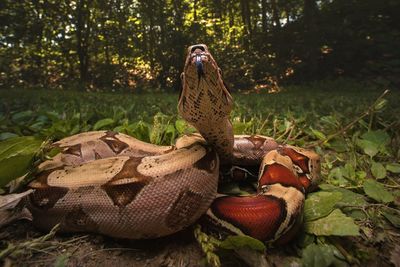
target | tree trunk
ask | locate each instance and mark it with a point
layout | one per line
(311, 49)
(264, 16)
(82, 35)
(246, 19)
(38, 77)
(275, 14)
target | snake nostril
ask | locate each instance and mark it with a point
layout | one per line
(201, 47)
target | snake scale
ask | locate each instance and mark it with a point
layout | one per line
(116, 185)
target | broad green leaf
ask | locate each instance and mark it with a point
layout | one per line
(373, 142)
(22, 116)
(392, 217)
(317, 255)
(370, 148)
(181, 126)
(103, 123)
(330, 120)
(120, 129)
(240, 241)
(16, 155)
(241, 127)
(184, 128)
(37, 126)
(349, 171)
(336, 175)
(140, 130)
(377, 191)
(393, 167)
(169, 135)
(379, 137)
(305, 239)
(53, 115)
(320, 135)
(355, 213)
(339, 145)
(378, 170)
(336, 223)
(360, 175)
(320, 204)
(349, 198)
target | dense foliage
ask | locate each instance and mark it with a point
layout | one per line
(140, 45)
(349, 221)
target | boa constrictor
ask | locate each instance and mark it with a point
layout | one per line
(116, 185)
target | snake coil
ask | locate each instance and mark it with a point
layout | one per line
(114, 184)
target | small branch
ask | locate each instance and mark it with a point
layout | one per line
(34, 244)
(288, 130)
(263, 125)
(290, 134)
(350, 259)
(352, 123)
(394, 181)
(392, 186)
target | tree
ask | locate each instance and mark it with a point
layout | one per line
(140, 45)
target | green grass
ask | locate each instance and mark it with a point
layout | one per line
(355, 131)
(59, 113)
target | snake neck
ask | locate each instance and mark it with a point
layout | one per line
(205, 102)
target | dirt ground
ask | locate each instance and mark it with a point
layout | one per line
(32, 248)
(29, 247)
(180, 249)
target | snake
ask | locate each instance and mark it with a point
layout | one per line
(113, 184)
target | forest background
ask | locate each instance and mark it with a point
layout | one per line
(126, 45)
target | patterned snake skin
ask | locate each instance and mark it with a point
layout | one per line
(116, 185)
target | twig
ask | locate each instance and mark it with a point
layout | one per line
(370, 205)
(287, 131)
(352, 123)
(350, 259)
(296, 136)
(108, 249)
(263, 125)
(290, 133)
(394, 181)
(391, 186)
(30, 245)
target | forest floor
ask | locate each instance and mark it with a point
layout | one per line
(353, 220)
(180, 249)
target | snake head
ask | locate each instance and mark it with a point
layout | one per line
(197, 56)
(203, 89)
(205, 102)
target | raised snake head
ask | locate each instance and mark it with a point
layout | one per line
(205, 102)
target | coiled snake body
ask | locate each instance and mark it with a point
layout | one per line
(116, 185)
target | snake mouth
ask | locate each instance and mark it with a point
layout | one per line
(198, 56)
